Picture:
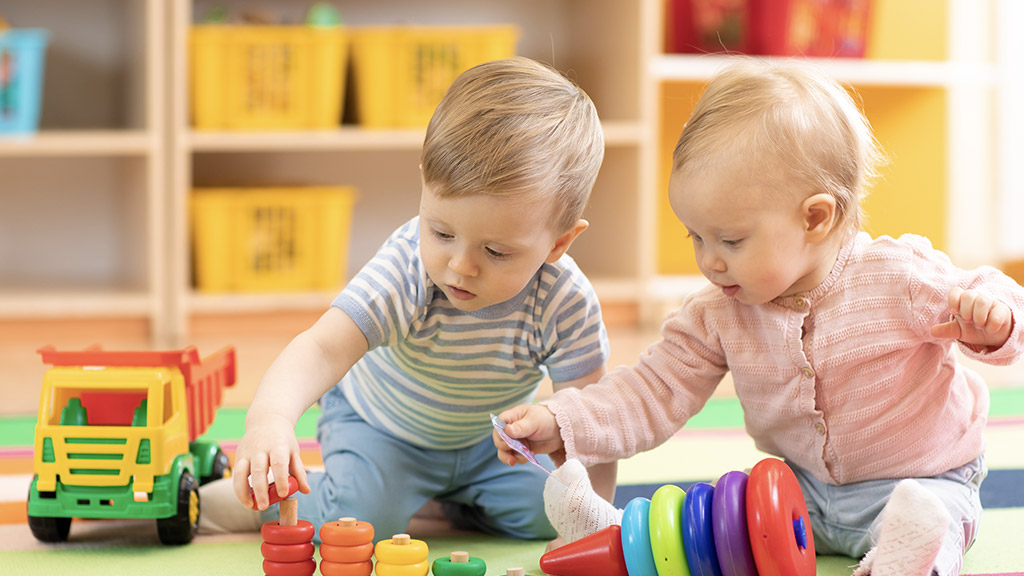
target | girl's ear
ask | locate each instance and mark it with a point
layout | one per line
(819, 216)
(563, 242)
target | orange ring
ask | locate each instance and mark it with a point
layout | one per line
(287, 552)
(346, 568)
(274, 533)
(335, 534)
(346, 554)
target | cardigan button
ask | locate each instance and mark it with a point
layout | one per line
(800, 303)
(820, 427)
(807, 372)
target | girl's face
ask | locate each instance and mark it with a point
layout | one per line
(481, 250)
(749, 233)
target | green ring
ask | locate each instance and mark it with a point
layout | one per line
(445, 567)
(666, 527)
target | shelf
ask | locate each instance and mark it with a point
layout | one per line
(77, 143)
(200, 303)
(351, 139)
(893, 73)
(74, 304)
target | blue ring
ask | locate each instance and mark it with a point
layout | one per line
(636, 538)
(698, 532)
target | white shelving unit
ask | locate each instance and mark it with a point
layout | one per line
(82, 231)
(597, 43)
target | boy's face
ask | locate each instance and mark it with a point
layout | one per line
(481, 250)
(749, 238)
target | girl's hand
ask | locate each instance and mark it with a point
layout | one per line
(534, 426)
(978, 320)
(269, 443)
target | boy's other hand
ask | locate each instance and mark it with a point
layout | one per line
(979, 320)
(269, 444)
(535, 426)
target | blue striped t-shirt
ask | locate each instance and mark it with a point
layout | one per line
(433, 373)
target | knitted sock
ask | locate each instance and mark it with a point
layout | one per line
(573, 507)
(222, 513)
(914, 524)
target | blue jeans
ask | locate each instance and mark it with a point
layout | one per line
(374, 476)
(846, 519)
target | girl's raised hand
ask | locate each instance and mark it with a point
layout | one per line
(533, 425)
(978, 320)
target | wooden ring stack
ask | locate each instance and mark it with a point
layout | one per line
(346, 548)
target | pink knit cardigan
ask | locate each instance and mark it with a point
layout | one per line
(844, 380)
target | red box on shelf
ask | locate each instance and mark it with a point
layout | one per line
(816, 28)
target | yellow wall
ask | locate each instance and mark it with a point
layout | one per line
(909, 123)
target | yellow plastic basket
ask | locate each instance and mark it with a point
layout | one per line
(267, 77)
(271, 239)
(400, 73)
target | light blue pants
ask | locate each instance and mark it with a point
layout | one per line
(374, 476)
(846, 519)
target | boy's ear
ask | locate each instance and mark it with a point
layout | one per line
(819, 216)
(563, 242)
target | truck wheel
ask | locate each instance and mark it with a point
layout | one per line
(221, 468)
(47, 529)
(182, 527)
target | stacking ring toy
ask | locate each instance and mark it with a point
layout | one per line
(666, 527)
(636, 538)
(780, 532)
(698, 534)
(274, 533)
(729, 515)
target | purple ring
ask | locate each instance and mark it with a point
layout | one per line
(729, 515)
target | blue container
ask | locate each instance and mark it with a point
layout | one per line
(22, 55)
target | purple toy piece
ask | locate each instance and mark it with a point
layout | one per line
(729, 514)
(698, 534)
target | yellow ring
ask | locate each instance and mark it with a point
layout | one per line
(414, 552)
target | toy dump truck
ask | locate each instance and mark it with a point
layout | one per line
(118, 436)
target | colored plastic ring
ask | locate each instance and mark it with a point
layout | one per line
(293, 487)
(698, 533)
(274, 533)
(305, 568)
(346, 554)
(417, 569)
(729, 515)
(336, 534)
(287, 552)
(414, 552)
(636, 538)
(328, 568)
(774, 503)
(666, 531)
(445, 567)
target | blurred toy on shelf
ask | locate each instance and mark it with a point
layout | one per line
(815, 28)
(22, 62)
(762, 521)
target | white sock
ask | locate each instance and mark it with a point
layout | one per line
(222, 513)
(573, 507)
(914, 524)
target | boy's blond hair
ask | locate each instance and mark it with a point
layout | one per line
(792, 124)
(515, 128)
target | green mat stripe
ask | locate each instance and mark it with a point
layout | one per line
(725, 413)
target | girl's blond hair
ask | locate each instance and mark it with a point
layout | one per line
(790, 122)
(515, 128)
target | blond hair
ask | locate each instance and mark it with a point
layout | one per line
(786, 120)
(519, 129)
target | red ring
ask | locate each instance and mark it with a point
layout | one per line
(774, 501)
(287, 552)
(305, 568)
(274, 533)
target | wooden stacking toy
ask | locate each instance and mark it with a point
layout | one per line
(402, 556)
(459, 564)
(288, 542)
(346, 548)
(742, 526)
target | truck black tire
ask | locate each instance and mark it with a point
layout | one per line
(49, 529)
(182, 527)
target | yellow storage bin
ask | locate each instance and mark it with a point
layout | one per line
(271, 239)
(400, 73)
(267, 77)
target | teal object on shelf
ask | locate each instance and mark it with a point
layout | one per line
(22, 60)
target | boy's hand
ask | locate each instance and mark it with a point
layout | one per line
(268, 444)
(978, 320)
(534, 426)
